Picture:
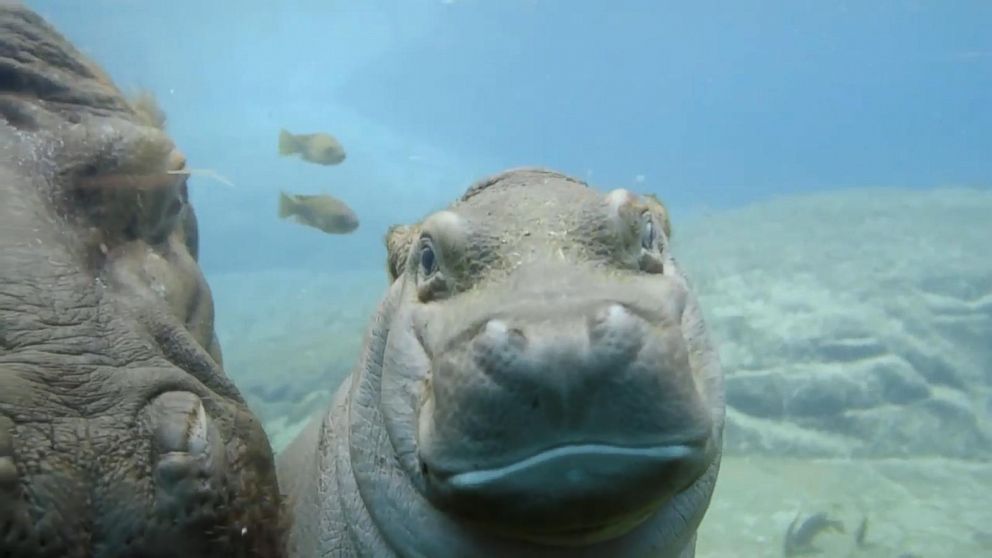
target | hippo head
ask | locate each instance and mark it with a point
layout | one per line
(547, 376)
(120, 434)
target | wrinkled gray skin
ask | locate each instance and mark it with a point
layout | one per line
(120, 434)
(537, 381)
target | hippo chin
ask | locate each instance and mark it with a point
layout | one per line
(120, 434)
(537, 381)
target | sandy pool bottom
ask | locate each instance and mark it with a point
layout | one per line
(925, 508)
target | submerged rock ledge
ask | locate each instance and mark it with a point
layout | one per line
(852, 323)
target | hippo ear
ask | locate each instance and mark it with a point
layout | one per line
(398, 241)
(659, 206)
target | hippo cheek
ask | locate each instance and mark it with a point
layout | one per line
(565, 431)
(405, 369)
(168, 280)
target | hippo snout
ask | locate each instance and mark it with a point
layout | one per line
(564, 420)
(555, 358)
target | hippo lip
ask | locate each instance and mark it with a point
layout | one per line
(576, 492)
(571, 464)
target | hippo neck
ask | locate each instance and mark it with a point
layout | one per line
(402, 518)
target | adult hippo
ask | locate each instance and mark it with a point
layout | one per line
(120, 434)
(537, 381)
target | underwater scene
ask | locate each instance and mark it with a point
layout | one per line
(480, 278)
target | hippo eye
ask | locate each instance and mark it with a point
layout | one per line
(428, 259)
(648, 234)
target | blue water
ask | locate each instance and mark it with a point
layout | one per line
(709, 104)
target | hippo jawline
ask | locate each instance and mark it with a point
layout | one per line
(574, 494)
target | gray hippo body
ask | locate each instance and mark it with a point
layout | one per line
(120, 435)
(537, 381)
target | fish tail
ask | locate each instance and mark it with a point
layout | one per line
(287, 143)
(286, 205)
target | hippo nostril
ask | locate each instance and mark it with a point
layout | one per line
(614, 313)
(609, 316)
(497, 334)
(187, 452)
(495, 328)
(516, 339)
(180, 422)
(498, 346)
(615, 330)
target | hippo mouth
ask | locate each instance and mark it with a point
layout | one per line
(573, 494)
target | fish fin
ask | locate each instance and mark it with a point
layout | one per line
(285, 205)
(287, 143)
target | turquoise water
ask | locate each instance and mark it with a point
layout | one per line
(709, 104)
(825, 163)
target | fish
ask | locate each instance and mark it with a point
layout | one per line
(322, 212)
(799, 541)
(320, 148)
